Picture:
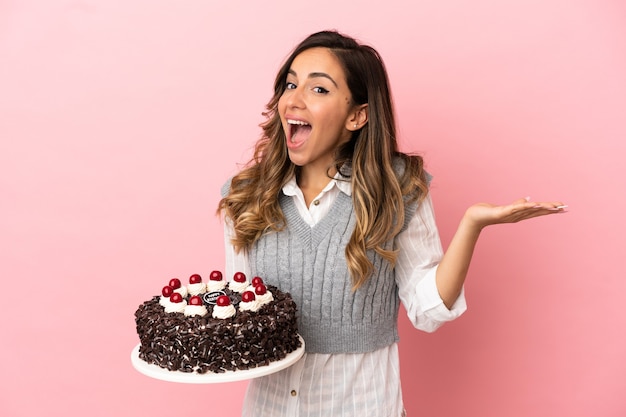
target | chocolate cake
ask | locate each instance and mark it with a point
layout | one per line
(225, 327)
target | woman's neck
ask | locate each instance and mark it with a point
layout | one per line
(312, 181)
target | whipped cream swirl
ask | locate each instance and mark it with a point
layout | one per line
(265, 298)
(192, 310)
(195, 289)
(164, 301)
(223, 312)
(182, 291)
(253, 305)
(238, 286)
(176, 307)
(212, 285)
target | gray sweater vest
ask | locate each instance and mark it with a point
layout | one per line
(309, 262)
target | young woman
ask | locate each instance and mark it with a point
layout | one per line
(331, 211)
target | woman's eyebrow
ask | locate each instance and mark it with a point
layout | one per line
(315, 75)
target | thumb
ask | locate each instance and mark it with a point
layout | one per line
(522, 200)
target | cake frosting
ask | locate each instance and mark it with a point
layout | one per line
(175, 307)
(224, 312)
(195, 307)
(217, 330)
(249, 302)
(212, 286)
(182, 291)
(195, 289)
(263, 295)
(238, 286)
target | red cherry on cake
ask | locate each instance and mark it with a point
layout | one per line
(260, 289)
(167, 291)
(195, 301)
(175, 283)
(176, 298)
(223, 301)
(247, 296)
(256, 281)
(215, 276)
(239, 277)
(195, 279)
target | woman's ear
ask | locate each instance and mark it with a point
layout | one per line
(358, 117)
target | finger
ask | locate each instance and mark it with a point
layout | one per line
(523, 204)
(543, 211)
(522, 200)
(554, 206)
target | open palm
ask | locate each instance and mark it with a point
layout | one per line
(484, 214)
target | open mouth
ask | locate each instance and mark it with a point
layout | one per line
(299, 131)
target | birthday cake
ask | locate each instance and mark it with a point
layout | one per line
(217, 326)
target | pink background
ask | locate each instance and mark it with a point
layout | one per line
(119, 121)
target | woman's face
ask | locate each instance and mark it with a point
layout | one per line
(316, 109)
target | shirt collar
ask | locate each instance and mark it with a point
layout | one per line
(291, 186)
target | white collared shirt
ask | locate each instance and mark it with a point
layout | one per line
(353, 384)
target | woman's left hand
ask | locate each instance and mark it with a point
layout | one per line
(453, 267)
(485, 214)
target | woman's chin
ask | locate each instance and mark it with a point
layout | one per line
(296, 159)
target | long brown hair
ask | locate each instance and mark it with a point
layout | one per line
(379, 191)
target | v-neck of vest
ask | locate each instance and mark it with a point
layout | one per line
(340, 209)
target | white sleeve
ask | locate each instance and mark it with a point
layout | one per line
(419, 254)
(235, 261)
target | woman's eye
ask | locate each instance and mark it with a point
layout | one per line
(320, 90)
(290, 86)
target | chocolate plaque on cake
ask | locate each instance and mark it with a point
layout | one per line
(210, 298)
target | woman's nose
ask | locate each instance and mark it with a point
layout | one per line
(295, 98)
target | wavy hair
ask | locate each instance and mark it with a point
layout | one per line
(380, 190)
